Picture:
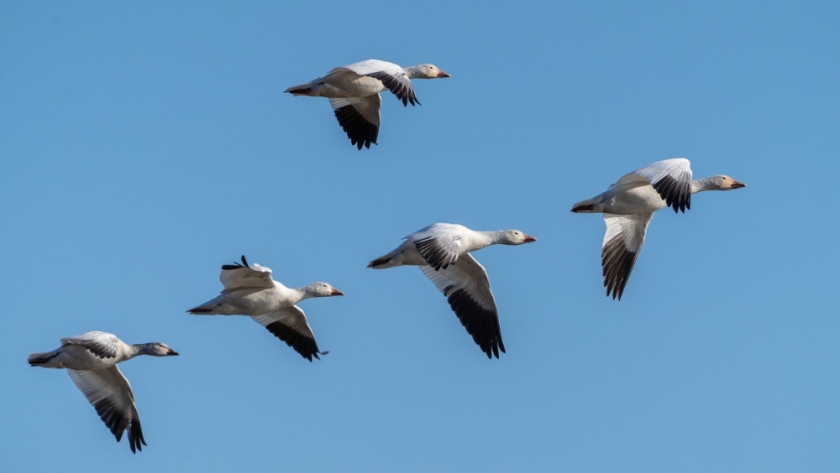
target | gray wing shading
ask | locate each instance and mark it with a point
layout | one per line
(670, 178)
(289, 324)
(102, 344)
(439, 249)
(359, 118)
(238, 276)
(392, 76)
(622, 244)
(398, 83)
(467, 290)
(110, 394)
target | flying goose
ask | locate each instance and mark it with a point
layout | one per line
(250, 290)
(354, 89)
(442, 251)
(629, 204)
(91, 360)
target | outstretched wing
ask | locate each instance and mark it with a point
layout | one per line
(289, 324)
(238, 276)
(670, 178)
(622, 244)
(467, 289)
(438, 247)
(359, 117)
(392, 76)
(110, 394)
(102, 344)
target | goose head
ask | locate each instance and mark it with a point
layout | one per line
(515, 237)
(426, 71)
(321, 289)
(726, 183)
(157, 349)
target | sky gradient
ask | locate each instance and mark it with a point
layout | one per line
(145, 145)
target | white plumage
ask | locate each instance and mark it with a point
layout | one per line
(442, 251)
(250, 290)
(354, 89)
(91, 360)
(629, 204)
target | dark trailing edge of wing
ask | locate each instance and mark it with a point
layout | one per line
(300, 343)
(236, 265)
(117, 423)
(676, 194)
(403, 92)
(481, 323)
(360, 131)
(617, 265)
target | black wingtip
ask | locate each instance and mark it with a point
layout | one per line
(361, 132)
(135, 436)
(303, 345)
(235, 265)
(482, 324)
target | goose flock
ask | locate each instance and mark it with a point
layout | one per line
(442, 251)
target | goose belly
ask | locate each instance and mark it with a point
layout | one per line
(634, 201)
(250, 302)
(351, 87)
(76, 357)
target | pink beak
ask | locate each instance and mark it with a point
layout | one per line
(529, 239)
(336, 292)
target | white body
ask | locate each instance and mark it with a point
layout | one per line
(442, 251)
(628, 207)
(250, 290)
(354, 90)
(91, 361)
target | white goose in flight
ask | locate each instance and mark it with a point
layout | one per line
(629, 204)
(442, 251)
(91, 360)
(354, 89)
(250, 290)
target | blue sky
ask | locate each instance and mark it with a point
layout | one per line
(145, 145)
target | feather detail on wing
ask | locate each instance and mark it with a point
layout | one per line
(467, 289)
(622, 244)
(239, 276)
(102, 344)
(110, 394)
(359, 118)
(289, 324)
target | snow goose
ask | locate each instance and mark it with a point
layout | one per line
(91, 360)
(442, 251)
(629, 204)
(250, 290)
(354, 89)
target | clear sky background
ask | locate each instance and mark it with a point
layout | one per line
(145, 144)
